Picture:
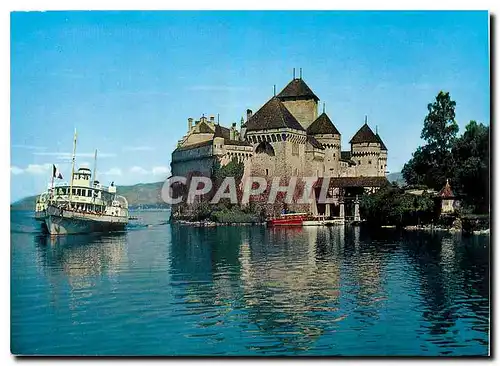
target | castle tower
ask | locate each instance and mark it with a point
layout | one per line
(365, 152)
(218, 141)
(300, 100)
(278, 140)
(325, 132)
(382, 161)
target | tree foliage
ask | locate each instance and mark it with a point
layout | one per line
(440, 127)
(234, 169)
(472, 153)
(464, 160)
(431, 164)
(391, 206)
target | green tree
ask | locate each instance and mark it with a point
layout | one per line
(392, 206)
(471, 173)
(432, 163)
(234, 169)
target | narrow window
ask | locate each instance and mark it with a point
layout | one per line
(267, 171)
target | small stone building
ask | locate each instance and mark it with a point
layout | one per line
(448, 199)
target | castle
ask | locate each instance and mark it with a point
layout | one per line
(286, 137)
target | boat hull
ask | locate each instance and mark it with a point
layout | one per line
(40, 215)
(63, 222)
(57, 225)
(296, 221)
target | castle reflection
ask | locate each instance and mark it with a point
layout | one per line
(289, 283)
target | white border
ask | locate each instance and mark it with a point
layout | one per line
(25, 5)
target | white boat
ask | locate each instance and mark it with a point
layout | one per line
(84, 205)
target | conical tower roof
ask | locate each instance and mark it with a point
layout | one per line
(297, 88)
(364, 134)
(322, 126)
(446, 191)
(272, 115)
(382, 145)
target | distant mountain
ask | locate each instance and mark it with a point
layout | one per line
(147, 195)
(396, 177)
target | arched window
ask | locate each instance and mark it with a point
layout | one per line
(265, 148)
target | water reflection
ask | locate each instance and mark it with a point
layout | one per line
(292, 287)
(444, 263)
(287, 281)
(161, 289)
(83, 259)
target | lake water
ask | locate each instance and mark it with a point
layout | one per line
(247, 291)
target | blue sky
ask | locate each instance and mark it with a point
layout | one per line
(128, 81)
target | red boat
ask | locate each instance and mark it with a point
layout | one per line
(291, 219)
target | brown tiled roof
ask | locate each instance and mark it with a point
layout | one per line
(194, 146)
(219, 131)
(297, 88)
(204, 128)
(446, 191)
(354, 182)
(364, 134)
(322, 125)
(272, 115)
(224, 132)
(236, 142)
(382, 145)
(314, 143)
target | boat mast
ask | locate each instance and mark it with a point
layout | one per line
(72, 169)
(94, 173)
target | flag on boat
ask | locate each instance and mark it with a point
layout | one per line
(56, 173)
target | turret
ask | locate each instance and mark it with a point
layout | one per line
(243, 129)
(365, 151)
(218, 141)
(300, 100)
(325, 132)
(232, 132)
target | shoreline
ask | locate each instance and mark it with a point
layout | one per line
(213, 223)
(443, 229)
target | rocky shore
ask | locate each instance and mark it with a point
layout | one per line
(432, 228)
(213, 224)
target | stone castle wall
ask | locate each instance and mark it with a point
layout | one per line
(305, 111)
(382, 162)
(366, 156)
(332, 146)
(314, 166)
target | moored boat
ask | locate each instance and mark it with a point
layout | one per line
(290, 219)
